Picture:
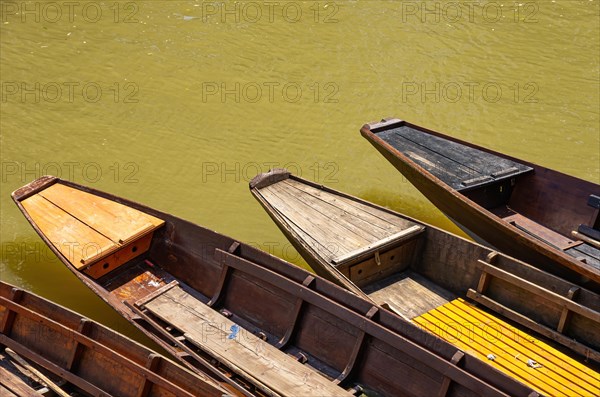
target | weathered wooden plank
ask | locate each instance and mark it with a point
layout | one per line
(482, 162)
(541, 232)
(243, 352)
(74, 239)
(116, 221)
(409, 293)
(15, 385)
(327, 242)
(329, 213)
(448, 170)
(396, 237)
(350, 236)
(375, 216)
(359, 215)
(531, 287)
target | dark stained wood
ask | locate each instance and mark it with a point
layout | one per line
(92, 358)
(277, 305)
(554, 200)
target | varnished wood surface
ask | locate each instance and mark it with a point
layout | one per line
(86, 228)
(74, 239)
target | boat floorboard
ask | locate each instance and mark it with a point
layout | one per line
(510, 350)
(239, 349)
(589, 253)
(331, 224)
(450, 161)
(11, 383)
(408, 293)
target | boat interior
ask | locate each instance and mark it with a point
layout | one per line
(545, 204)
(462, 292)
(272, 328)
(45, 347)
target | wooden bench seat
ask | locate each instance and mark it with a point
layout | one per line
(509, 350)
(94, 234)
(248, 355)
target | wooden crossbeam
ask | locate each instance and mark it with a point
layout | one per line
(456, 358)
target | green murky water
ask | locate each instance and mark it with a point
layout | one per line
(177, 104)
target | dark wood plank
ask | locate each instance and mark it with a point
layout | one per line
(482, 162)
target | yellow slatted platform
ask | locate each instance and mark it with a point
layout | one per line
(94, 234)
(481, 334)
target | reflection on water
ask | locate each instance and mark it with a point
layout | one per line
(178, 104)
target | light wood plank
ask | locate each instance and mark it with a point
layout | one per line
(74, 239)
(329, 243)
(244, 353)
(375, 216)
(408, 293)
(118, 222)
(352, 219)
(319, 218)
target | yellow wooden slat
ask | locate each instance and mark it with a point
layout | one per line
(566, 366)
(72, 238)
(446, 329)
(504, 343)
(480, 334)
(116, 221)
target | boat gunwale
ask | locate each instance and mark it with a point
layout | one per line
(486, 376)
(559, 257)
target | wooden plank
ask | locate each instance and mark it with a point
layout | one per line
(116, 221)
(382, 219)
(582, 251)
(72, 238)
(15, 385)
(326, 242)
(541, 232)
(394, 238)
(409, 293)
(456, 358)
(533, 325)
(4, 392)
(43, 378)
(474, 159)
(545, 293)
(448, 170)
(328, 213)
(245, 353)
(350, 236)
(375, 330)
(565, 316)
(368, 219)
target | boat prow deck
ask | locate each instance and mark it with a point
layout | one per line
(339, 231)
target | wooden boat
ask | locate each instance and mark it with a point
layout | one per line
(541, 216)
(266, 326)
(461, 291)
(59, 350)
